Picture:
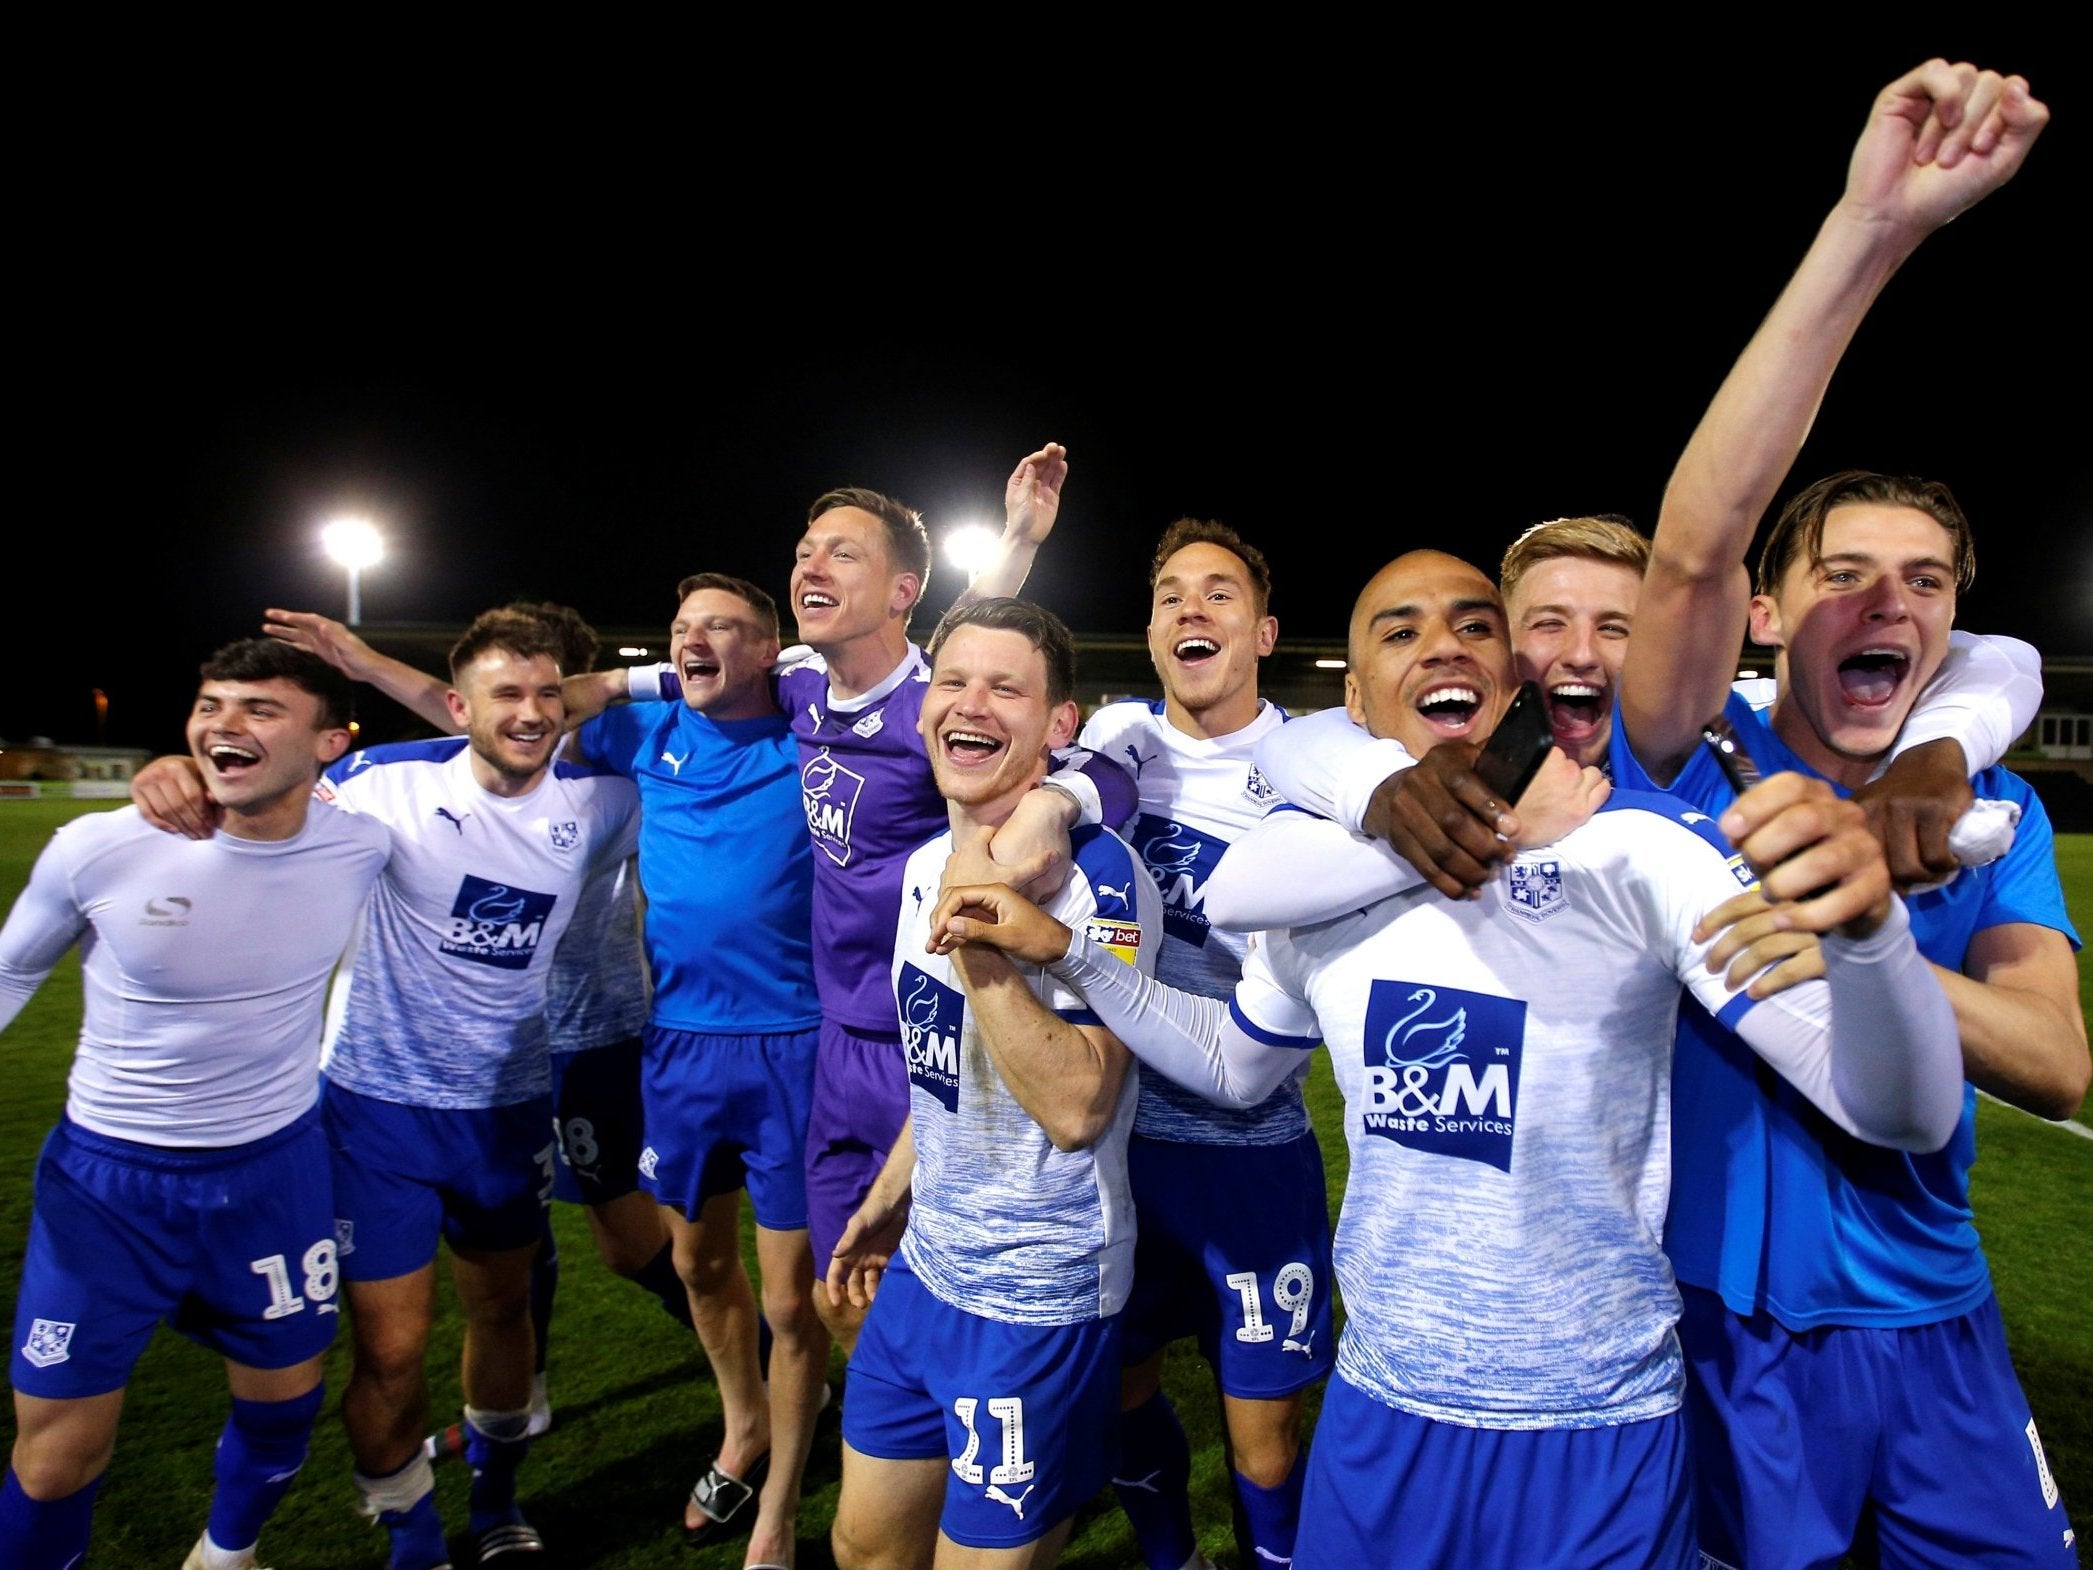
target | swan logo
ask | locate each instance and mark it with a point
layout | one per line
(1441, 1071)
(1534, 889)
(931, 1016)
(496, 924)
(830, 793)
(1180, 860)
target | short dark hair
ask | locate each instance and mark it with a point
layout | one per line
(1209, 531)
(762, 604)
(266, 659)
(908, 542)
(1046, 632)
(1799, 531)
(525, 634)
(578, 641)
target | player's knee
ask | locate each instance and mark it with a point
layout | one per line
(1265, 1442)
(58, 1464)
(856, 1548)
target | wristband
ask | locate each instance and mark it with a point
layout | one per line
(652, 683)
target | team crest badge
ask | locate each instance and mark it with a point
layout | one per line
(565, 836)
(344, 1236)
(1534, 889)
(649, 1160)
(1259, 789)
(50, 1341)
(868, 727)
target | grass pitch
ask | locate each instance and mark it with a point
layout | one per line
(635, 1414)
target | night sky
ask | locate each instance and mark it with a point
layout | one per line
(575, 346)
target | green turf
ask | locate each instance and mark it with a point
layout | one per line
(635, 1412)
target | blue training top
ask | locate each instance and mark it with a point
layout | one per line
(1774, 1207)
(724, 863)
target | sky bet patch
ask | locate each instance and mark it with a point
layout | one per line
(1442, 1070)
(931, 1016)
(495, 924)
(1123, 938)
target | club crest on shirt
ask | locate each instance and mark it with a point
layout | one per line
(1441, 1071)
(344, 1237)
(869, 725)
(1534, 889)
(50, 1341)
(830, 793)
(650, 1160)
(931, 1017)
(496, 923)
(1259, 789)
(565, 836)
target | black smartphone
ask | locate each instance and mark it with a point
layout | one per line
(1516, 749)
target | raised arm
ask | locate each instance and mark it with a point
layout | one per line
(1031, 504)
(1939, 139)
(585, 694)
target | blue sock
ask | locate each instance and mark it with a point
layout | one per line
(259, 1452)
(545, 1281)
(1273, 1514)
(1154, 1483)
(44, 1534)
(417, 1535)
(495, 1445)
(658, 1275)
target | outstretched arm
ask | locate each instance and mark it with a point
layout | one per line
(1939, 139)
(585, 693)
(1031, 504)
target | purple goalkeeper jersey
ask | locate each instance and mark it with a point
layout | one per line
(871, 800)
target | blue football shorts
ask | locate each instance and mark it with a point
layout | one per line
(1912, 1443)
(724, 1112)
(1388, 1488)
(596, 1112)
(1233, 1246)
(1027, 1415)
(232, 1247)
(477, 1177)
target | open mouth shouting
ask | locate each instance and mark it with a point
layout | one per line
(1871, 678)
(699, 668)
(1577, 711)
(1196, 650)
(970, 749)
(230, 761)
(1450, 709)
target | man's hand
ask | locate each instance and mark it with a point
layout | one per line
(169, 794)
(321, 635)
(1032, 495)
(1752, 942)
(1914, 807)
(1443, 820)
(1562, 797)
(1939, 140)
(1030, 851)
(867, 1246)
(1814, 855)
(998, 917)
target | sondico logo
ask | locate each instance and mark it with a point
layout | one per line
(931, 1016)
(830, 793)
(169, 910)
(1442, 1070)
(496, 924)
